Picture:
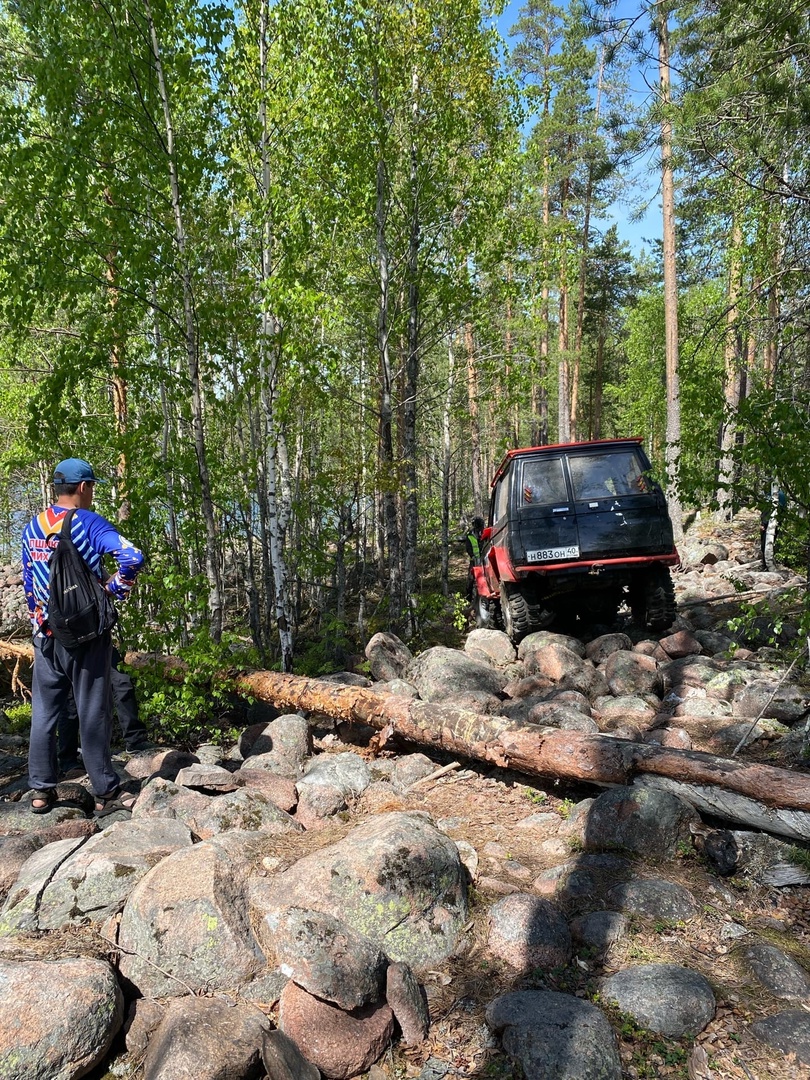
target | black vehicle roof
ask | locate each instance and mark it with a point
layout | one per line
(552, 447)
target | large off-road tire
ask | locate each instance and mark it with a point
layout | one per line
(652, 601)
(484, 613)
(539, 616)
(515, 613)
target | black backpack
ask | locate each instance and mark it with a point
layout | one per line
(79, 607)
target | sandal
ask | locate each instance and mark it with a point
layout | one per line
(113, 803)
(46, 797)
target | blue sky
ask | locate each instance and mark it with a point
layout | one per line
(642, 185)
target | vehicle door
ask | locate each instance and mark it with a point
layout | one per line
(620, 511)
(544, 513)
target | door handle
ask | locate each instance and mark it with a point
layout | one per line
(560, 510)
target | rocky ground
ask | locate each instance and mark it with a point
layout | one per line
(585, 935)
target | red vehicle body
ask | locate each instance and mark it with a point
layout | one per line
(575, 530)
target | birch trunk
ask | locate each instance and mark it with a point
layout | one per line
(269, 359)
(446, 463)
(733, 380)
(673, 431)
(191, 344)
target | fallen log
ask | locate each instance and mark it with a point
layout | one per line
(762, 796)
(759, 796)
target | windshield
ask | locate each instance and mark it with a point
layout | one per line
(604, 476)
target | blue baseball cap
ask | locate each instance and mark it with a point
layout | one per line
(75, 470)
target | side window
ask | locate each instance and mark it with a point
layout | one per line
(501, 500)
(543, 482)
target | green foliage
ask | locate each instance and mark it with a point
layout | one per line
(326, 652)
(461, 611)
(17, 718)
(195, 702)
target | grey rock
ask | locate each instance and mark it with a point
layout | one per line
(346, 678)
(245, 808)
(555, 1036)
(395, 879)
(93, 879)
(666, 998)
(632, 673)
(714, 643)
(601, 647)
(408, 1003)
(765, 697)
(582, 882)
(788, 1032)
(397, 687)
(599, 929)
(491, 647)
(388, 657)
(19, 909)
(653, 898)
(57, 1017)
(645, 821)
(410, 768)
(143, 1019)
(266, 989)
(346, 772)
(326, 957)
(542, 639)
(207, 1038)
(188, 916)
(439, 670)
(208, 777)
(284, 1061)
(15, 851)
(282, 747)
(528, 932)
(778, 972)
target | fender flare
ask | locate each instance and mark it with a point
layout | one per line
(501, 565)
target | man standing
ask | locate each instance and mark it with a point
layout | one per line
(86, 669)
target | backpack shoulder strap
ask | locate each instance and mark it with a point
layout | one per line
(64, 527)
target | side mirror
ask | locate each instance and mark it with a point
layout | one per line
(487, 533)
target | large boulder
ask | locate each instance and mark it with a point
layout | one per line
(632, 673)
(207, 1039)
(439, 671)
(57, 1017)
(282, 746)
(388, 657)
(643, 820)
(96, 877)
(326, 957)
(555, 1036)
(666, 998)
(342, 1044)
(186, 926)
(396, 880)
(491, 647)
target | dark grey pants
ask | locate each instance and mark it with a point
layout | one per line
(125, 704)
(85, 671)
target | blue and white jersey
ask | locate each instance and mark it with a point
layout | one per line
(94, 537)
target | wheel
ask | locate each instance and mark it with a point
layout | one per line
(515, 612)
(539, 616)
(652, 602)
(483, 612)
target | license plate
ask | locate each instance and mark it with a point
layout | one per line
(553, 554)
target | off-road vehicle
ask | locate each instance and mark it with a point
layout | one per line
(574, 531)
